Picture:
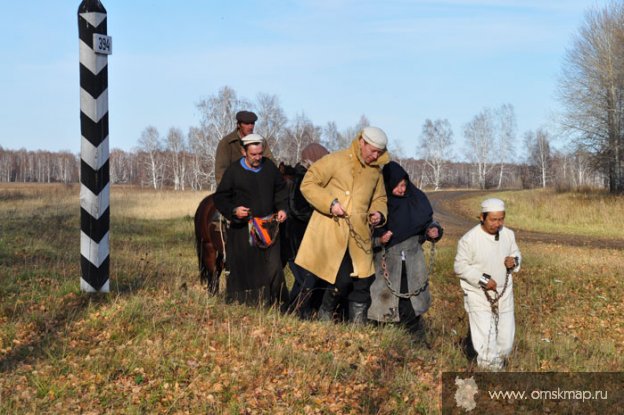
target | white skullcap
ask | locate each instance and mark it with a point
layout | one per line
(252, 139)
(492, 205)
(375, 137)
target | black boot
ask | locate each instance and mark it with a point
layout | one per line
(358, 312)
(329, 304)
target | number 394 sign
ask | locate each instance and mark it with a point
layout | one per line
(102, 44)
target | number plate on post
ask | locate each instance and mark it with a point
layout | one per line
(102, 44)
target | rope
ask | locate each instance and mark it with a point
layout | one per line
(222, 229)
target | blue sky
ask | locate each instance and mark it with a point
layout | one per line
(398, 62)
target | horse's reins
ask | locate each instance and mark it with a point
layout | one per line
(222, 228)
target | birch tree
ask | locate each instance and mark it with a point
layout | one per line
(351, 132)
(592, 90)
(538, 145)
(331, 138)
(176, 149)
(300, 132)
(150, 144)
(479, 135)
(203, 150)
(436, 140)
(217, 119)
(218, 112)
(506, 135)
(271, 122)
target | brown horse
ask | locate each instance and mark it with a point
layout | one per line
(209, 243)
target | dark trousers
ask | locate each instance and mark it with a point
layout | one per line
(355, 290)
(304, 279)
(307, 290)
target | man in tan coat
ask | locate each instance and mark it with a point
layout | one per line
(346, 190)
(230, 149)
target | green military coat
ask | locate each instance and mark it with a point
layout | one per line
(230, 150)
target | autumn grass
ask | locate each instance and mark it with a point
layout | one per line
(158, 344)
(590, 213)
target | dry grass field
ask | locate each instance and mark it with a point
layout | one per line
(157, 343)
(595, 214)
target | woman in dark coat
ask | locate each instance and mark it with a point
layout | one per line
(410, 223)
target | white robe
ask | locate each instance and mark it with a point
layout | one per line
(480, 253)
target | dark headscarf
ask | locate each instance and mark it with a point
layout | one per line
(408, 215)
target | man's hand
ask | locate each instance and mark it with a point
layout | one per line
(337, 209)
(510, 262)
(491, 285)
(374, 218)
(281, 216)
(386, 237)
(241, 212)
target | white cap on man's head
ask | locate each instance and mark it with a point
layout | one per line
(375, 137)
(252, 139)
(492, 205)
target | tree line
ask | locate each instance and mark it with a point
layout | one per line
(591, 89)
(185, 161)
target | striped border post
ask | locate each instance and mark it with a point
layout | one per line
(94, 167)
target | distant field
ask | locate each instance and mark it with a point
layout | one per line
(595, 214)
(158, 344)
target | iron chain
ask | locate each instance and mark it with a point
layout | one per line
(413, 293)
(494, 301)
(359, 241)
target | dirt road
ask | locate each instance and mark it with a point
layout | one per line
(455, 225)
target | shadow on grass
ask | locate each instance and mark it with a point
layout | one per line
(49, 329)
(50, 326)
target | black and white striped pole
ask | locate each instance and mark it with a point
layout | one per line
(95, 46)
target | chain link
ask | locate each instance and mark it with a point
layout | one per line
(359, 241)
(494, 302)
(413, 293)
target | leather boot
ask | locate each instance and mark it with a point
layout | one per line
(329, 304)
(358, 312)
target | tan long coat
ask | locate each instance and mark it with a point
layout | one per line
(360, 190)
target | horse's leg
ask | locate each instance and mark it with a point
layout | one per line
(219, 263)
(211, 267)
(205, 269)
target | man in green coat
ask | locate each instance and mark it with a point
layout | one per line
(346, 190)
(230, 149)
